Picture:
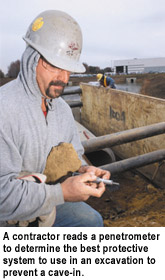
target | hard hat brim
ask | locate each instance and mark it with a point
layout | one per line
(71, 66)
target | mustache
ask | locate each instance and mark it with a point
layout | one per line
(57, 83)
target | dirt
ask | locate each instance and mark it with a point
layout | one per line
(154, 86)
(137, 203)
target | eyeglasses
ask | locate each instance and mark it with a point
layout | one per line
(49, 66)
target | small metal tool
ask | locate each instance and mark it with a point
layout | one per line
(99, 180)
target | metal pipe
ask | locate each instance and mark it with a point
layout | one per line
(135, 162)
(75, 104)
(72, 90)
(126, 136)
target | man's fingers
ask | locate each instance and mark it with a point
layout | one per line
(106, 175)
(89, 179)
(97, 192)
(86, 177)
(91, 189)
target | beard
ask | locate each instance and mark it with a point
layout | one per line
(52, 92)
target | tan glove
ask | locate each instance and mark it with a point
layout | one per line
(62, 160)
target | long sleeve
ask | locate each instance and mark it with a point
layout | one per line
(20, 199)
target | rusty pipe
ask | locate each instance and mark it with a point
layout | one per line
(72, 90)
(126, 136)
(135, 162)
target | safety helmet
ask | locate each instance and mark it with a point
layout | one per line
(58, 38)
(99, 76)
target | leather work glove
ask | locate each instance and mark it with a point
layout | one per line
(61, 162)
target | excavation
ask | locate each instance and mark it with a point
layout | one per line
(138, 202)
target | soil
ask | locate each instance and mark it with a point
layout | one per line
(137, 203)
(154, 86)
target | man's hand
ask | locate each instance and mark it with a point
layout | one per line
(97, 171)
(80, 188)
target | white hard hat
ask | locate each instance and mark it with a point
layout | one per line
(58, 38)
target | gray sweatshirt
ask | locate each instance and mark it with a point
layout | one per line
(26, 138)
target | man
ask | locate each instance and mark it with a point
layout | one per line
(33, 119)
(105, 81)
